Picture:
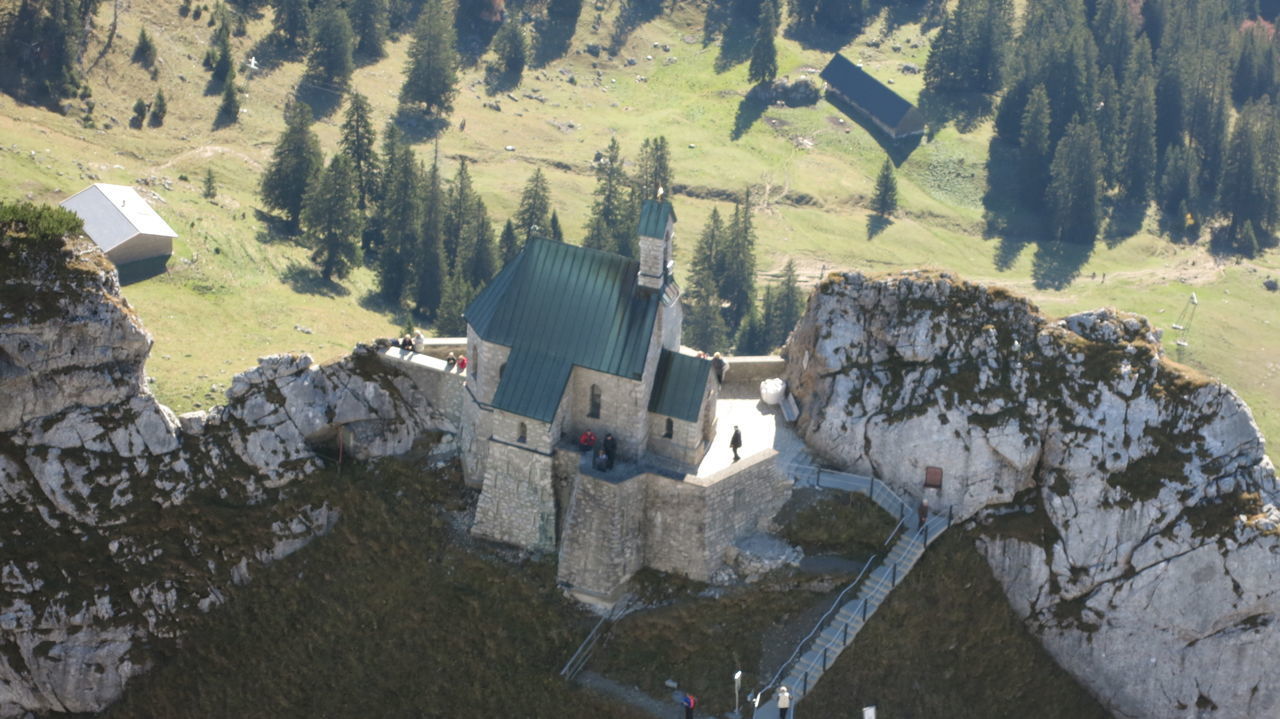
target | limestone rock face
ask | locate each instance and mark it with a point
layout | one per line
(119, 518)
(1106, 483)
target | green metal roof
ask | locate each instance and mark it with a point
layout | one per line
(678, 386)
(558, 305)
(653, 218)
(873, 97)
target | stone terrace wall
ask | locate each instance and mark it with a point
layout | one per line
(741, 500)
(442, 389)
(601, 545)
(751, 371)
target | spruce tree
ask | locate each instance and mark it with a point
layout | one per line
(653, 169)
(787, 306)
(293, 23)
(222, 64)
(332, 43)
(707, 267)
(704, 327)
(369, 23)
(1074, 197)
(609, 227)
(738, 269)
(210, 185)
(752, 337)
(139, 113)
(458, 216)
(1138, 153)
(159, 108)
(1250, 182)
(145, 52)
(455, 297)
(557, 234)
(295, 162)
(331, 219)
(764, 54)
(399, 216)
(533, 217)
(512, 50)
(357, 142)
(432, 76)
(1034, 149)
(885, 202)
(481, 262)
(229, 108)
(508, 244)
(430, 264)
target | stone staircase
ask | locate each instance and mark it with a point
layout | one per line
(818, 651)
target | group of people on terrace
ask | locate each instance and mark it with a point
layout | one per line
(604, 451)
(416, 342)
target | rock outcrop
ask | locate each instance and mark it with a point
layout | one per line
(1109, 487)
(118, 518)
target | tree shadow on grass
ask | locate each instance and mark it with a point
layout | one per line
(1057, 263)
(1008, 251)
(498, 81)
(966, 109)
(816, 36)
(307, 280)
(474, 33)
(275, 230)
(418, 126)
(1125, 221)
(324, 99)
(877, 224)
(553, 36)
(749, 110)
(270, 53)
(631, 15)
(737, 36)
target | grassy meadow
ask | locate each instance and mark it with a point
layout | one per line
(236, 290)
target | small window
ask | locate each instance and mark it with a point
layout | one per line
(524, 433)
(502, 369)
(670, 430)
(594, 410)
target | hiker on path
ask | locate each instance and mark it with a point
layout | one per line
(688, 701)
(735, 442)
(784, 702)
(924, 510)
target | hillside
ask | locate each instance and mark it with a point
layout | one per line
(812, 170)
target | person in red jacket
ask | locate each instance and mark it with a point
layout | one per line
(462, 364)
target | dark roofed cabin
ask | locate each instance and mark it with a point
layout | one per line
(896, 117)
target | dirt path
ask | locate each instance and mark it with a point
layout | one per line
(204, 152)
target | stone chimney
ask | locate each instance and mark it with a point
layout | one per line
(657, 227)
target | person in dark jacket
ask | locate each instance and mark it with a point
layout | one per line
(735, 442)
(610, 450)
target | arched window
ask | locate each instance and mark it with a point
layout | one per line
(670, 430)
(594, 409)
(502, 369)
(524, 433)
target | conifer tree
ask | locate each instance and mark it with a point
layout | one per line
(508, 244)
(430, 264)
(139, 113)
(1179, 192)
(220, 60)
(752, 337)
(369, 23)
(738, 269)
(609, 227)
(210, 185)
(399, 216)
(332, 42)
(512, 49)
(145, 52)
(653, 169)
(480, 255)
(764, 53)
(707, 266)
(295, 162)
(159, 108)
(293, 23)
(1034, 149)
(782, 310)
(532, 218)
(1138, 152)
(432, 76)
(1074, 197)
(1250, 182)
(459, 217)
(331, 219)
(357, 142)
(455, 297)
(229, 108)
(557, 234)
(704, 327)
(885, 202)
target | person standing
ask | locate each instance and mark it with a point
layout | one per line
(449, 362)
(689, 701)
(462, 364)
(719, 366)
(735, 442)
(784, 702)
(610, 450)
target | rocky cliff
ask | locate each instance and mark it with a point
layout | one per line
(118, 518)
(1116, 495)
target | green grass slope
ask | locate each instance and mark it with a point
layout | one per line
(235, 291)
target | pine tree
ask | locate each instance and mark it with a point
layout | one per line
(399, 216)
(752, 338)
(764, 54)
(885, 202)
(1074, 197)
(508, 245)
(609, 227)
(707, 266)
(512, 50)
(210, 186)
(1179, 195)
(1250, 183)
(293, 23)
(295, 162)
(481, 262)
(221, 62)
(970, 51)
(145, 52)
(331, 219)
(369, 23)
(738, 267)
(704, 327)
(229, 108)
(787, 306)
(1138, 153)
(653, 169)
(458, 216)
(332, 43)
(455, 297)
(532, 218)
(429, 267)
(432, 76)
(139, 113)
(357, 142)
(1034, 149)
(159, 108)
(557, 234)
